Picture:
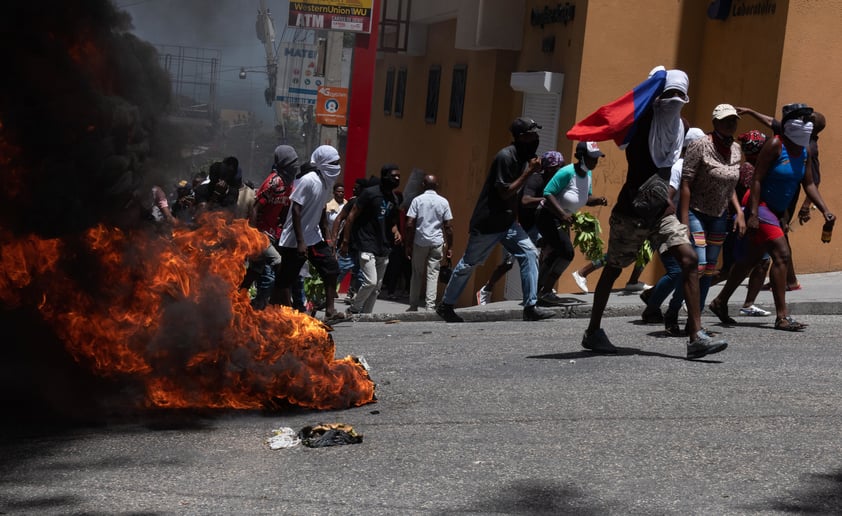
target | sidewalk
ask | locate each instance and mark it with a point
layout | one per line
(820, 294)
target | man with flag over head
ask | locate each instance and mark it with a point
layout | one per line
(647, 123)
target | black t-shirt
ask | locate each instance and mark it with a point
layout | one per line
(494, 214)
(640, 164)
(532, 187)
(372, 230)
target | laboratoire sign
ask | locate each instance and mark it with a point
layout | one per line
(722, 9)
(340, 15)
(553, 14)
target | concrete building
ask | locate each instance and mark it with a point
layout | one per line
(559, 62)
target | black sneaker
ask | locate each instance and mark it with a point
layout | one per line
(598, 342)
(645, 295)
(550, 299)
(533, 313)
(652, 316)
(704, 345)
(447, 313)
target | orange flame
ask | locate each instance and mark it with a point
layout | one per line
(167, 311)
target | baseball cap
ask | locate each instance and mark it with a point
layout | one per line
(524, 125)
(723, 111)
(589, 148)
(791, 111)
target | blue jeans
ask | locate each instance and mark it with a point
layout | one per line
(672, 282)
(708, 233)
(516, 241)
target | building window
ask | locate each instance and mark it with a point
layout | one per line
(394, 25)
(400, 93)
(390, 91)
(433, 82)
(457, 95)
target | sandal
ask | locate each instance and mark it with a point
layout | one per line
(789, 324)
(721, 312)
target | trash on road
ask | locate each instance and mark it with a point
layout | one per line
(329, 434)
(283, 437)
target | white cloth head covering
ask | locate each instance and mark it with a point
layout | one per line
(322, 158)
(666, 135)
(677, 80)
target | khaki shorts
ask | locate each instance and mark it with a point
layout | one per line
(626, 237)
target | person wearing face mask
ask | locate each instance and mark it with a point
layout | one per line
(819, 123)
(708, 180)
(270, 211)
(783, 167)
(495, 221)
(305, 228)
(644, 209)
(569, 189)
(371, 228)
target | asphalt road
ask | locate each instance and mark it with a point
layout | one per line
(486, 418)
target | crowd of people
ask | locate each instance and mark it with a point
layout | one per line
(689, 195)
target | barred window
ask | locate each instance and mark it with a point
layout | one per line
(400, 93)
(433, 84)
(390, 91)
(457, 96)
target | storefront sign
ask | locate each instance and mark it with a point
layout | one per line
(297, 79)
(721, 9)
(558, 14)
(331, 106)
(340, 15)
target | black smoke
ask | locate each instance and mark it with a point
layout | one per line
(80, 105)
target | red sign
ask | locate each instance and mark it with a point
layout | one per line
(340, 15)
(331, 106)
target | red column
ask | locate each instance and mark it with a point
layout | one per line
(359, 108)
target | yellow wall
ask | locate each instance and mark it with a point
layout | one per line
(810, 73)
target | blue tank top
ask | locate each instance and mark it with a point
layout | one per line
(783, 180)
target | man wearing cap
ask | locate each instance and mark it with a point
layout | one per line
(495, 221)
(649, 213)
(568, 190)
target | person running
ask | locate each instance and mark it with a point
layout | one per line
(645, 211)
(495, 221)
(569, 189)
(783, 167)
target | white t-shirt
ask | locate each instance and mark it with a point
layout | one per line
(675, 180)
(430, 210)
(311, 191)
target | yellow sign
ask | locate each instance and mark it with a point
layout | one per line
(331, 106)
(340, 15)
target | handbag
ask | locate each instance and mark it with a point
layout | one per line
(445, 271)
(651, 200)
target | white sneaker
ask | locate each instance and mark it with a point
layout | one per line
(483, 296)
(581, 282)
(753, 311)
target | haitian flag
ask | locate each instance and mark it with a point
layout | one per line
(616, 120)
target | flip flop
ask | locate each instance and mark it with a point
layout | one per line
(336, 317)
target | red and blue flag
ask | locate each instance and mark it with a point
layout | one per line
(617, 120)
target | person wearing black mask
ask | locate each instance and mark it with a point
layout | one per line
(372, 226)
(495, 221)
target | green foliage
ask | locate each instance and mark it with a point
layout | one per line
(587, 238)
(314, 287)
(644, 254)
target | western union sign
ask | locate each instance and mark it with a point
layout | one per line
(341, 15)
